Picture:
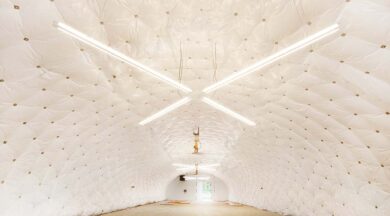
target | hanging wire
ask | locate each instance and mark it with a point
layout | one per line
(299, 11)
(181, 64)
(301, 14)
(100, 11)
(180, 75)
(215, 63)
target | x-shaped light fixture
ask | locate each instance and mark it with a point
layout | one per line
(197, 167)
(235, 76)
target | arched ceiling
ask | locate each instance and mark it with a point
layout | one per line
(70, 139)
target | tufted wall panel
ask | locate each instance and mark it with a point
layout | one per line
(69, 133)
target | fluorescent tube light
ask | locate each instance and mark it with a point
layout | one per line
(274, 57)
(166, 110)
(227, 111)
(185, 168)
(204, 167)
(197, 178)
(118, 55)
(192, 168)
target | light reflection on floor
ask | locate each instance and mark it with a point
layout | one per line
(195, 209)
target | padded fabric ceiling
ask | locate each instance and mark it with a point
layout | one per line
(70, 139)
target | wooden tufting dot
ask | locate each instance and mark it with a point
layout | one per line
(1, 80)
(16, 7)
(25, 39)
(383, 46)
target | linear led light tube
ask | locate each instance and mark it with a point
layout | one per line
(185, 168)
(227, 111)
(192, 166)
(198, 178)
(118, 55)
(166, 110)
(274, 57)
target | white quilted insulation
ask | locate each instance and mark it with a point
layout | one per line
(70, 139)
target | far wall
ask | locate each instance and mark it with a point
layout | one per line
(175, 190)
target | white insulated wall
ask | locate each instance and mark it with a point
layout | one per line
(70, 143)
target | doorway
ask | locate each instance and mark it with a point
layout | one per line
(204, 191)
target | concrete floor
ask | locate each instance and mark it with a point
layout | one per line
(217, 209)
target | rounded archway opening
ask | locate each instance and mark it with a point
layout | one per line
(197, 189)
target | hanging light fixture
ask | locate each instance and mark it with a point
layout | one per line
(274, 57)
(166, 110)
(228, 111)
(118, 55)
